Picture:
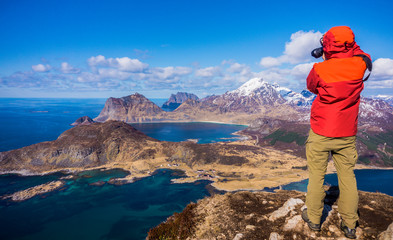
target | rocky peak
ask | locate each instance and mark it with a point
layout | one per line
(252, 87)
(132, 108)
(82, 146)
(85, 120)
(175, 101)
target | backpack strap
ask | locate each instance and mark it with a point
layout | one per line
(368, 62)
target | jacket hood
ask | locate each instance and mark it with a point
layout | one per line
(339, 42)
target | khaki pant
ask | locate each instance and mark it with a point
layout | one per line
(344, 154)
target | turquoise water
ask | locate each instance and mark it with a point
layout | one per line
(82, 211)
(370, 180)
(203, 132)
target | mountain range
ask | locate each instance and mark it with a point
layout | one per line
(253, 99)
(276, 115)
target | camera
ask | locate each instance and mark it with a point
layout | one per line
(317, 53)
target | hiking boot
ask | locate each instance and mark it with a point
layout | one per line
(349, 233)
(312, 226)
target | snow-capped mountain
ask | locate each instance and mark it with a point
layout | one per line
(253, 87)
(302, 99)
(386, 98)
(375, 111)
(249, 97)
(257, 92)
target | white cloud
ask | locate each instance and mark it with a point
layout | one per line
(129, 65)
(208, 72)
(86, 77)
(110, 73)
(384, 84)
(302, 70)
(297, 50)
(238, 73)
(41, 68)
(67, 68)
(268, 62)
(124, 64)
(170, 72)
(383, 68)
(239, 68)
(382, 74)
(97, 61)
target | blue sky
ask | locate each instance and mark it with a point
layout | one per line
(116, 48)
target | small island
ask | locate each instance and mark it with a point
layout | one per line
(34, 191)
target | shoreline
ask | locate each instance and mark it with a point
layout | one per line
(186, 178)
(183, 121)
(28, 193)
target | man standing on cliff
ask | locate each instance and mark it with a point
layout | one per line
(338, 82)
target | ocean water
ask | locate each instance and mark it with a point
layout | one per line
(369, 180)
(27, 121)
(201, 131)
(83, 211)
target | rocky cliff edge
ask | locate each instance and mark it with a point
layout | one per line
(274, 216)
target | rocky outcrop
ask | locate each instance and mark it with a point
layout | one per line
(175, 101)
(83, 146)
(34, 191)
(263, 215)
(85, 120)
(133, 108)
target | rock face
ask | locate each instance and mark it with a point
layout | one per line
(175, 101)
(82, 146)
(85, 120)
(133, 108)
(262, 215)
(375, 112)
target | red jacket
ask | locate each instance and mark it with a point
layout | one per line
(337, 81)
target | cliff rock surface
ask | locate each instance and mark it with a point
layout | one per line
(263, 215)
(85, 120)
(175, 101)
(133, 108)
(83, 146)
